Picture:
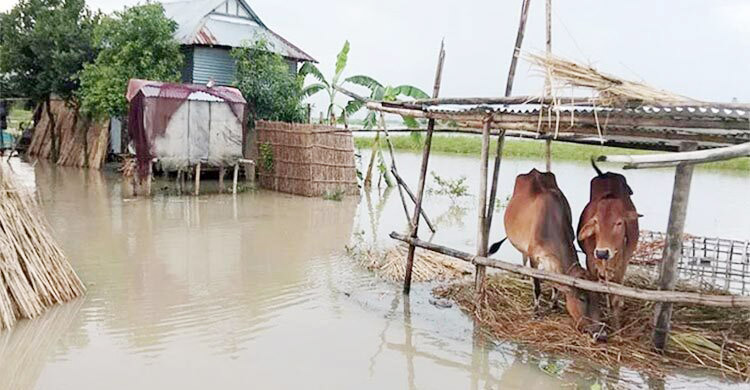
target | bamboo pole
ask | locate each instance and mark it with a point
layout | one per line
(508, 91)
(401, 181)
(222, 172)
(692, 157)
(673, 248)
(584, 284)
(547, 80)
(235, 176)
(394, 169)
(423, 172)
(482, 234)
(197, 178)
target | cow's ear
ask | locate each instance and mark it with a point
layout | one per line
(587, 230)
(632, 215)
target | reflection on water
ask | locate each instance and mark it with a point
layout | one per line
(256, 291)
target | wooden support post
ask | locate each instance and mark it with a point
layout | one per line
(423, 173)
(394, 169)
(482, 234)
(508, 91)
(222, 172)
(197, 178)
(673, 248)
(178, 182)
(548, 154)
(401, 182)
(548, 82)
(235, 177)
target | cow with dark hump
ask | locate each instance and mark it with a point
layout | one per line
(608, 231)
(538, 223)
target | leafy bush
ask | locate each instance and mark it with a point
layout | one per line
(454, 188)
(272, 91)
(134, 43)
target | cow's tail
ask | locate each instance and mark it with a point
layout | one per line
(593, 164)
(496, 246)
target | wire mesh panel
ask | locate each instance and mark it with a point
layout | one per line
(718, 262)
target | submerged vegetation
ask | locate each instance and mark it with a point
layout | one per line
(518, 148)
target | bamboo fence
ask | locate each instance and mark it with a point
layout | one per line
(82, 142)
(308, 160)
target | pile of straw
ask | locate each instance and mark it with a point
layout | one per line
(428, 266)
(611, 90)
(716, 339)
(34, 272)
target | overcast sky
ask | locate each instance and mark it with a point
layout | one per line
(698, 48)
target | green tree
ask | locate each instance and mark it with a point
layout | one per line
(43, 46)
(379, 92)
(134, 43)
(271, 90)
(325, 85)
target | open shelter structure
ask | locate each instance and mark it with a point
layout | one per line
(622, 114)
(181, 126)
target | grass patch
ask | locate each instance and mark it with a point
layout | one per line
(531, 149)
(16, 116)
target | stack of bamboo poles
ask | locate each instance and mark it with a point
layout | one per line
(81, 142)
(612, 90)
(34, 272)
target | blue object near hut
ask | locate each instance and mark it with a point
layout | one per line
(209, 29)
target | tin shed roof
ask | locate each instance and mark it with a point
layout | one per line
(199, 23)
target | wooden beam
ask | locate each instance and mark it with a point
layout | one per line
(692, 157)
(401, 182)
(584, 284)
(393, 167)
(235, 177)
(423, 172)
(668, 272)
(197, 178)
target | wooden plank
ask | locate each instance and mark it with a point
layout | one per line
(482, 234)
(584, 284)
(668, 272)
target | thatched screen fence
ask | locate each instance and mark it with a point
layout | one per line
(305, 159)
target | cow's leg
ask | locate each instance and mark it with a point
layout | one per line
(553, 299)
(537, 295)
(617, 305)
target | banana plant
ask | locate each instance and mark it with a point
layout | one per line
(379, 92)
(325, 85)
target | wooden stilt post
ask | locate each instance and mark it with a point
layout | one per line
(413, 199)
(482, 234)
(548, 82)
(222, 172)
(423, 173)
(508, 91)
(235, 177)
(394, 169)
(197, 178)
(673, 248)
(548, 154)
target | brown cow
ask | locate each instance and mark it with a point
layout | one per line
(538, 224)
(608, 231)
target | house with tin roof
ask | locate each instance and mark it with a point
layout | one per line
(209, 29)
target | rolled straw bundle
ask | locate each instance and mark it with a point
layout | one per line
(34, 272)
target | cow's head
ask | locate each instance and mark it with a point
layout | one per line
(608, 225)
(585, 307)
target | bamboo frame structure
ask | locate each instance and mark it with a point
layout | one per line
(689, 122)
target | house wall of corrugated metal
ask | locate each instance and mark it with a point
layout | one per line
(212, 63)
(187, 68)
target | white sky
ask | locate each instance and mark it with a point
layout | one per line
(698, 48)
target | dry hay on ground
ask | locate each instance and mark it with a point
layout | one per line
(34, 272)
(716, 339)
(428, 266)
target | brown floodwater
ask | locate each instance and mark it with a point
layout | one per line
(257, 290)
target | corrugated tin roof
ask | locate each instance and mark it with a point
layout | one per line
(174, 90)
(198, 25)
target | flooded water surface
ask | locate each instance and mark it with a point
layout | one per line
(257, 290)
